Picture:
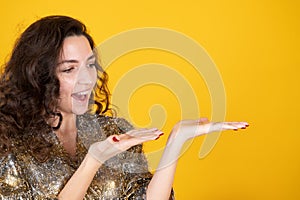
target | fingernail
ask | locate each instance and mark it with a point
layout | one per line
(115, 139)
(243, 128)
(157, 138)
(247, 125)
(160, 134)
(235, 129)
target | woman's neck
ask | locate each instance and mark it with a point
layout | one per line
(68, 124)
(67, 133)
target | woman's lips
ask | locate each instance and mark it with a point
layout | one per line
(81, 96)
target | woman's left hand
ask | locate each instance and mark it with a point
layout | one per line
(187, 129)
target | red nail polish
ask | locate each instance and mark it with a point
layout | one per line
(243, 128)
(157, 138)
(247, 125)
(160, 134)
(235, 129)
(115, 139)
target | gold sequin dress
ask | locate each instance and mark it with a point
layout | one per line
(124, 176)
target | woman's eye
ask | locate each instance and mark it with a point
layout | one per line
(68, 70)
(91, 65)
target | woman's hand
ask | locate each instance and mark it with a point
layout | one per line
(98, 153)
(187, 129)
(115, 144)
(161, 184)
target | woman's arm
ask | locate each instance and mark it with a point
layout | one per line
(161, 184)
(77, 186)
(162, 181)
(98, 153)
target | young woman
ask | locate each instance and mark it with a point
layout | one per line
(58, 139)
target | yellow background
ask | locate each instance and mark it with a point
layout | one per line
(255, 45)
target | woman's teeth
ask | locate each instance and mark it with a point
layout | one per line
(81, 96)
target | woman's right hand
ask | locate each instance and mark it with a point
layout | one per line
(115, 144)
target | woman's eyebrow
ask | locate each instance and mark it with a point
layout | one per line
(91, 57)
(68, 61)
(76, 61)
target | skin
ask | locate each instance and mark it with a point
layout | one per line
(182, 131)
(76, 75)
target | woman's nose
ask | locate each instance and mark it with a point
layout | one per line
(84, 76)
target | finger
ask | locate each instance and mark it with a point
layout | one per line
(138, 136)
(194, 121)
(127, 143)
(239, 124)
(114, 138)
(234, 125)
(220, 126)
(150, 135)
(141, 131)
(203, 120)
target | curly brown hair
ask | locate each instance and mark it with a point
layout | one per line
(29, 87)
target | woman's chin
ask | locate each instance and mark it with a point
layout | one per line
(79, 107)
(80, 110)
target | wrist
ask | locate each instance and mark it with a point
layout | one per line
(98, 152)
(176, 137)
(91, 162)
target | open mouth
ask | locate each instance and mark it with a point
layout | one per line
(81, 96)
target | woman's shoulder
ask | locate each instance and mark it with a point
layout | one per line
(9, 164)
(11, 176)
(6, 160)
(12, 157)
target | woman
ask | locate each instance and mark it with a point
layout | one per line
(56, 137)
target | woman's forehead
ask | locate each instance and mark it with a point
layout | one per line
(76, 48)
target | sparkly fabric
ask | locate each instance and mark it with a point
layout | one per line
(124, 176)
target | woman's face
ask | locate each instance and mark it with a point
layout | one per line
(77, 75)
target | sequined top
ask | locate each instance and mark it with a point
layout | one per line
(124, 176)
